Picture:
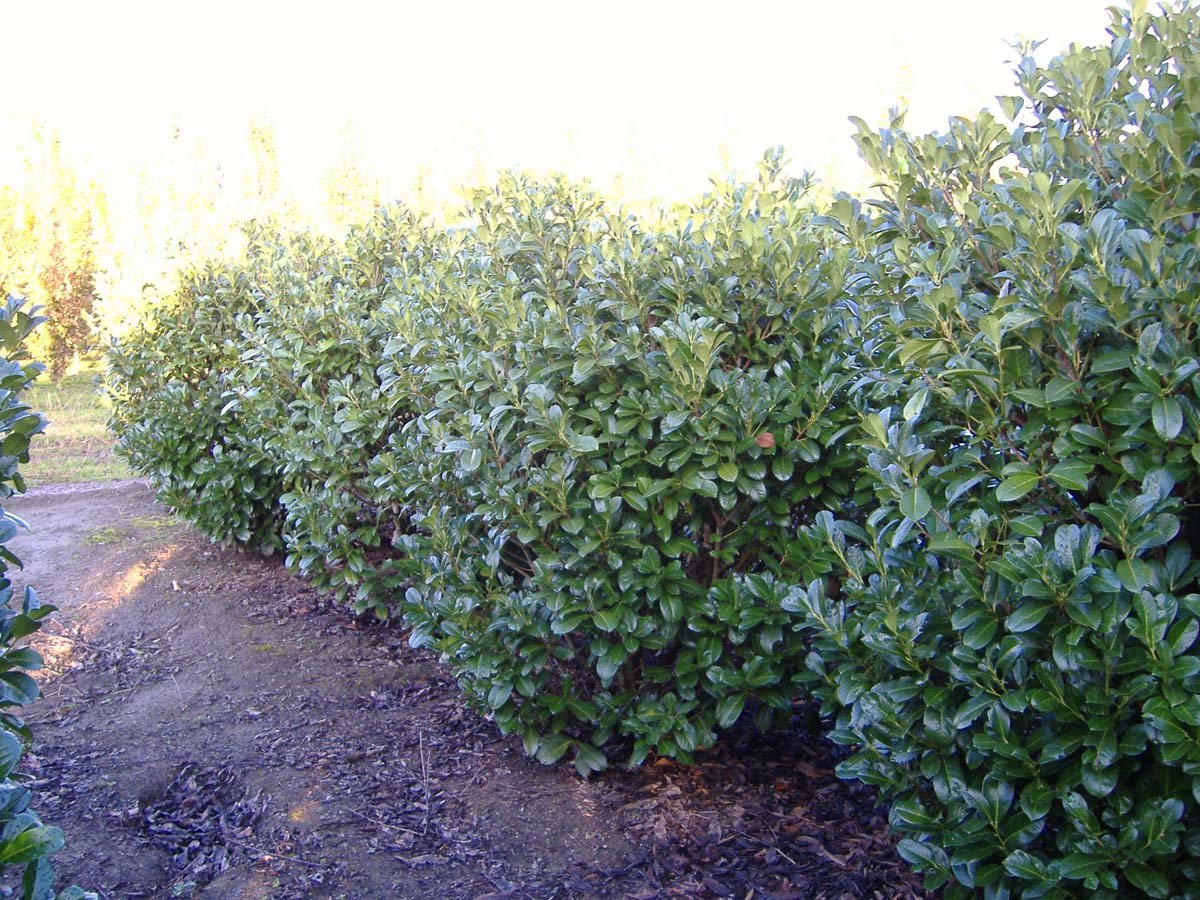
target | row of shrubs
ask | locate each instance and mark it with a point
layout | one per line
(930, 458)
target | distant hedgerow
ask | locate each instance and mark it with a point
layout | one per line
(178, 384)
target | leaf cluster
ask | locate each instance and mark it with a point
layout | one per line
(25, 842)
(623, 430)
(1012, 648)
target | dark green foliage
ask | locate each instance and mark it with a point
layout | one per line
(624, 430)
(577, 444)
(310, 371)
(594, 459)
(25, 843)
(178, 390)
(1012, 649)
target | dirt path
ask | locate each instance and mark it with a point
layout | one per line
(212, 729)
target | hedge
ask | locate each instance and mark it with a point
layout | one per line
(1011, 646)
(618, 447)
(929, 457)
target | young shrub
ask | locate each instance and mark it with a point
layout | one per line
(1011, 647)
(177, 385)
(626, 426)
(26, 844)
(311, 373)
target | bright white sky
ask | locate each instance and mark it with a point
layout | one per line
(659, 92)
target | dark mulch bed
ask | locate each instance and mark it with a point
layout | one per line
(203, 819)
(760, 816)
(763, 816)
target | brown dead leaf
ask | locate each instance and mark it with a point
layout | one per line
(812, 771)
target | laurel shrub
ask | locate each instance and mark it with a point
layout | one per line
(1010, 644)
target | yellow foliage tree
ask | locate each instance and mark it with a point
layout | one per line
(48, 230)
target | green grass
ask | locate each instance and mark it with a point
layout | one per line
(76, 446)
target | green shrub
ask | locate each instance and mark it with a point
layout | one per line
(624, 427)
(1011, 648)
(591, 458)
(178, 384)
(25, 843)
(309, 370)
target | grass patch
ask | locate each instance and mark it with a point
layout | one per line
(109, 535)
(154, 522)
(76, 446)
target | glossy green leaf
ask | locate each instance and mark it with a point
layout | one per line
(915, 503)
(10, 753)
(1167, 416)
(1071, 474)
(1016, 486)
(33, 843)
(588, 759)
(729, 709)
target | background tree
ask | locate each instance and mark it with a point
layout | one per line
(48, 234)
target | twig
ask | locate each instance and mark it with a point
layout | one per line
(59, 636)
(815, 846)
(385, 825)
(785, 856)
(425, 780)
(271, 854)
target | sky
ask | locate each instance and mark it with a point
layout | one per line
(652, 96)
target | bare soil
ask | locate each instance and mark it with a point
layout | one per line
(211, 728)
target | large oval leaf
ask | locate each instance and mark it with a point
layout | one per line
(1016, 486)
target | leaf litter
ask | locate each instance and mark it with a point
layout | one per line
(224, 733)
(204, 819)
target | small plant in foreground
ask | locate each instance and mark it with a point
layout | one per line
(25, 842)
